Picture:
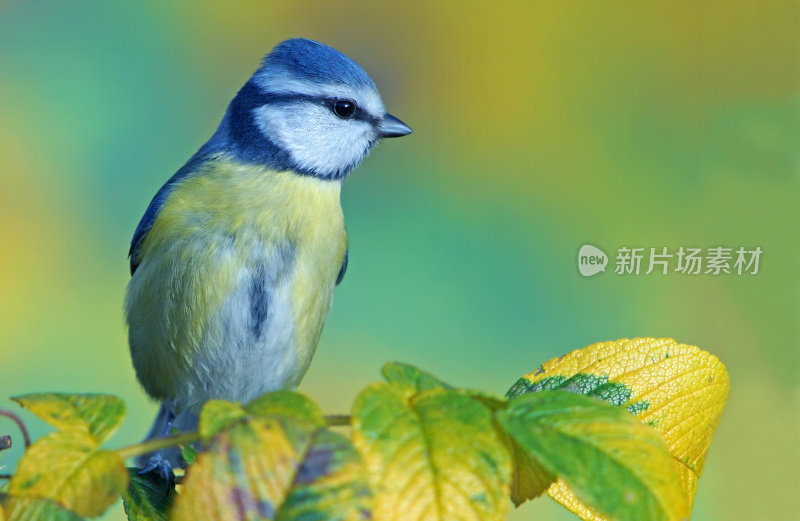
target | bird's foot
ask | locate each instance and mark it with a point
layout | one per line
(161, 467)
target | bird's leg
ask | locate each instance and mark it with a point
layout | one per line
(157, 462)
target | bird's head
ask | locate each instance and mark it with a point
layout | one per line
(311, 109)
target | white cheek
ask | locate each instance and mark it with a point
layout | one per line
(315, 138)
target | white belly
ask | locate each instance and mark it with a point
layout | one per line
(241, 362)
(249, 343)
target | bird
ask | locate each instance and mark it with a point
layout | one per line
(234, 262)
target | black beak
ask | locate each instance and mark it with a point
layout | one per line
(390, 126)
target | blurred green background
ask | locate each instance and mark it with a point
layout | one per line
(539, 126)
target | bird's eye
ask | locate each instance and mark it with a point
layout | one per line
(344, 108)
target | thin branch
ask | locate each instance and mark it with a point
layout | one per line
(6, 476)
(157, 444)
(338, 419)
(186, 438)
(16, 419)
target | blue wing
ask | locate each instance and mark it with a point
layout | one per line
(219, 143)
(343, 269)
(157, 203)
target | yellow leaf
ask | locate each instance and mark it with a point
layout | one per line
(217, 415)
(434, 455)
(678, 389)
(220, 414)
(98, 414)
(410, 379)
(528, 479)
(611, 461)
(275, 468)
(39, 510)
(68, 467)
(287, 404)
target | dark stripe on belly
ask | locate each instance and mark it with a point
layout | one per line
(259, 301)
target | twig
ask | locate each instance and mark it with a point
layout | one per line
(6, 476)
(338, 419)
(16, 419)
(157, 444)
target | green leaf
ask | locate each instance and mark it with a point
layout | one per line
(188, 454)
(678, 389)
(597, 386)
(409, 379)
(68, 467)
(412, 380)
(330, 472)
(148, 497)
(97, 414)
(615, 464)
(27, 509)
(275, 468)
(287, 404)
(490, 400)
(432, 456)
(528, 478)
(216, 415)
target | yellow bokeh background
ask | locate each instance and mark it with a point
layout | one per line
(539, 127)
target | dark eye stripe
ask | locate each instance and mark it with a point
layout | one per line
(274, 99)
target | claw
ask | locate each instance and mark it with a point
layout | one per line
(161, 467)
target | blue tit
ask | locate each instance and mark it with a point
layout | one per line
(235, 261)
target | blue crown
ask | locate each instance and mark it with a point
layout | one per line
(316, 62)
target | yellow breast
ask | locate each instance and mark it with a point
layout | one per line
(202, 239)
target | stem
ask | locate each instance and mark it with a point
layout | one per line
(16, 419)
(185, 438)
(157, 444)
(338, 419)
